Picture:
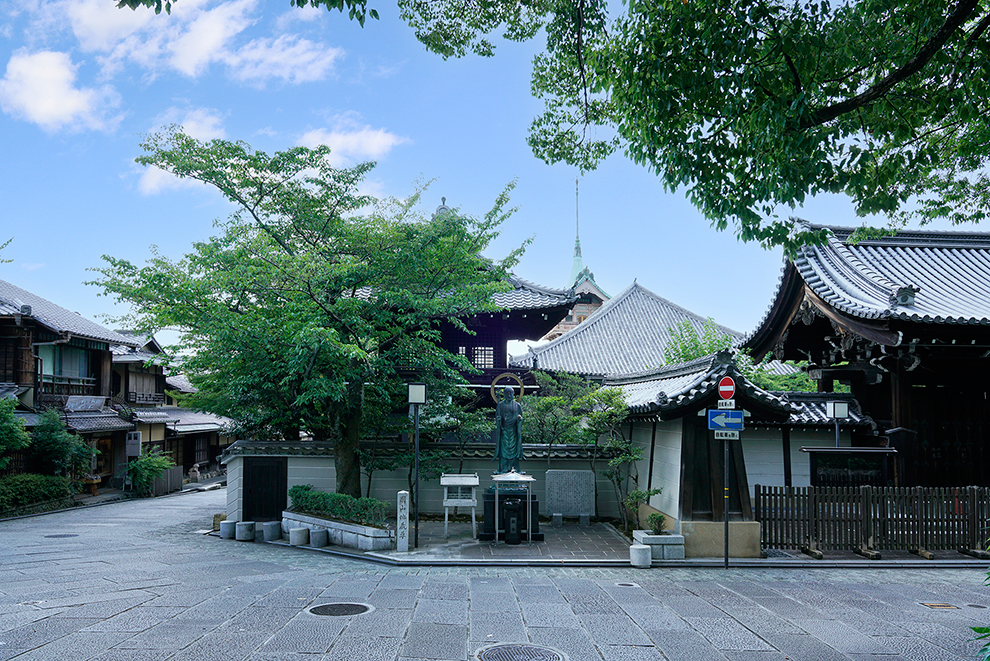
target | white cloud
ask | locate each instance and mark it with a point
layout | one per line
(288, 57)
(41, 88)
(154, 180)
(99, 25)
(206, 37)
(349, 141)
(305, 14)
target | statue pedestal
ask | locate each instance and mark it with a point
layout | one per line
(487, 533)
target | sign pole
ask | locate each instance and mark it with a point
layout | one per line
(416, 482)
(725, 506)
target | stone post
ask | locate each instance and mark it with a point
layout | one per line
(402, 523)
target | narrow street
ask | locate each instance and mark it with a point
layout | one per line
(139, 581)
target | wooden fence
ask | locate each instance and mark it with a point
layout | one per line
(170, 480)
(880, 518)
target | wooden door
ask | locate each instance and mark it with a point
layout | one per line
(265, 488)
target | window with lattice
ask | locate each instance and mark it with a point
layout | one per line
(483, 357)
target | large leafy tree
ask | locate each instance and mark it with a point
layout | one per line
(303, 306)
(753, 106)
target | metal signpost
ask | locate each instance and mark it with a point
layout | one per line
(726, 422)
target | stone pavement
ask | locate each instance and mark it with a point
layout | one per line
(137, 580)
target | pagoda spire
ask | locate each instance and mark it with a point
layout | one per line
(578, 264)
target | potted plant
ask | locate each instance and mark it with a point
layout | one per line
(664, 545)
(91, 480)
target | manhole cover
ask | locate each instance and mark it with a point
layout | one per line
(60, 536)
(515, 652)
(339, 609)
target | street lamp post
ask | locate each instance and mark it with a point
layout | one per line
(837, 411)
(417, 397)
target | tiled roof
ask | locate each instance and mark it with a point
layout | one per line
(948, 271)
(677, 386)
(105, 420)
(55, 317)
(526, 295)
(672, 388)
(10, 390)
(153, 416)
(180, 382)
(626, 335)
(188, 421)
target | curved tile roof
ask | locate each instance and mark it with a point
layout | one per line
(626, 335)
(55, 316)
(948, 273)
(526, 295)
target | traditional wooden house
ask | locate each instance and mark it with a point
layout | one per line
(905, 321)
(51, 357)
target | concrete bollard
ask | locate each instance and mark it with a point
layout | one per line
(244, 531)
(272, 530)
(640, 556)
(228, 529)
(319, 537)
(298, 536)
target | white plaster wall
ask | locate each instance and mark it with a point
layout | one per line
(763, 451)
(235, 485)
(667, 467)
(318, 471)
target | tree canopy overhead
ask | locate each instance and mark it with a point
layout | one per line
(309, 302)
(751, 107)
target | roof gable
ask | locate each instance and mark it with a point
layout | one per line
(626, 335)
(55, 317)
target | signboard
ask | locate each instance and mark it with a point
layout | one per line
(80, 403)
(726, 404)
(726, 388)
(726, 435)
(722, 420)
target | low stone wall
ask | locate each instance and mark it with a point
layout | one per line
(348, 535)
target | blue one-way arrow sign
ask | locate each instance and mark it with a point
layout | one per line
(722, 419)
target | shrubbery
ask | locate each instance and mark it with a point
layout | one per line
(145, 469)
(29, 489)
(366, 511)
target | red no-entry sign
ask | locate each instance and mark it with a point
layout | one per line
(726, 388)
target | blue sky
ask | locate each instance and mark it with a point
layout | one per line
(81, 82)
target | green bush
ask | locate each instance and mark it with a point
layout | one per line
(655, 521)
(366, 511)
(29, 488)
(145, 469)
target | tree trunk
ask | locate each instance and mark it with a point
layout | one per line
(346, 457)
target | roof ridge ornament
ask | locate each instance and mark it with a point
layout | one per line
(903, 296)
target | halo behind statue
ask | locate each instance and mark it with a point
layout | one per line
(510, 375)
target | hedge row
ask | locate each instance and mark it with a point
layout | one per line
(366, 511)
(27, 489)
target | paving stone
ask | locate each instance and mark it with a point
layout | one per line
(539, 594)
(172, 634)
(496, 627)
(393, 598)
(380, 623)
(74, 646)
(364, 649)
(842, 638)
(441, 611)
(310, 634)
(574, 643)
(749, 655)
(254, 619)
(135, 619)
(724, 633)
(594, 604)
(132, 655)
(611, 629)
(549, 615)
(658, 618)
(630, 653)
(426, 640)
(217, 646)
(494, 601)
(498, 584)
(688, 645)
(691, 606)
(916, 648)
(42, 632)
(401, 582)
(452, 591)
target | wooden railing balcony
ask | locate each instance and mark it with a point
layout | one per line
(67, 385)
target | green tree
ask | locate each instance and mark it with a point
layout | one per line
(751, 106)
(145, 469)
(686, 343)
(53, 449)
(301, 306)
(13, 436)
(603, 413)
(549, 416)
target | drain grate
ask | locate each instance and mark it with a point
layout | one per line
(61, 535)
(626, 585)
(940, 606)
(517, 652)
(338, 610)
